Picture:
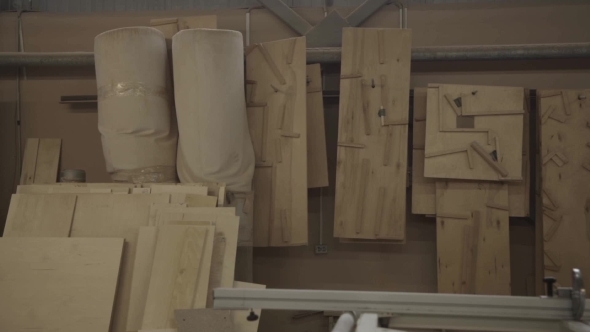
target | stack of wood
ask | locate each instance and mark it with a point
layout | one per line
(470, 170)
(154, 249)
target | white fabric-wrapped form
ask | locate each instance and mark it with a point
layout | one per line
(135, 107)
(214, 141)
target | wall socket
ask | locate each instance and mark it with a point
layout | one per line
(321, 249)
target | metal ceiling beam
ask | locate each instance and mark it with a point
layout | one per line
(333, 54)
(364, 11)
(288, 15)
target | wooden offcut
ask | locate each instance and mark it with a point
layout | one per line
(58, 284)
(280, 177)
(372, 135)
(41, 161)
(497, 127)
(317, 161)
(564, 201)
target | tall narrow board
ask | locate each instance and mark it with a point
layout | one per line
(107, 215)
(178, 261)
(317, 160)
(472, 238)
(372, 149)
(58, 284)
(424, 189)
(461, 118)
(565, 153)
(27, 174)
(41, 161)
(276, 100)
(40, 215)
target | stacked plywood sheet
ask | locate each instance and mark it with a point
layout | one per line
(371, 170)
(474, 133)
(179, 241)
(564, 201)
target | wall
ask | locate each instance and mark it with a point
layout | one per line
(409, 267)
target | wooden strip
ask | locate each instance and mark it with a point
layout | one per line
(47, 160)
(291, 51)
(263, 152)
(200, 201)
(351, 145)
(381, 46)
(494, 164)
(548, 157)
(366, 111)
(470, 158)
(40, 215)
(290, 134)
(553, 205)
(282, 114)
(178, 259)
(285, 226)
(163, 21)
(475, 248)
(349, 76)
(27, 175)
(451, 215)
(554, 226)
(272, 64)
(278, 151)
(496, 206)
(468, 261)
(444, 152)
(379, 210)
(388, 145)
(562, 157)
(384, 95)
(453, 105)
(547, 114)
(498, 151)
(558, 161)
(363, 183)
(566, 104)
(555, 266)
(557, 117)
(178, 189)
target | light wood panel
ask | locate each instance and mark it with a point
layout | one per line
(178, 189)
(239, 317)
(276, 101)
(107, 215)
(175, 212)
(179, 258)
(490, 117)
(565, 155)
(27, 175)
(40, 215)
(371, 171)
(52, 284)
(41, 160)
(519, 191)
(472, 238)
(191, 200)
(75, 188)
(317, 160)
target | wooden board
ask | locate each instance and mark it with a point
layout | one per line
(176, 212)
(174, 189)
(210, 320)
(107, 215)
(75, 188)
(40, 160)
(191, 200)
(317, 160)
(40, 215)
(498, 126)
(142, 271)
(472, 238)
(424, 189)
(239, 317)
(58, 284)
(371, 171)
(565, 198)
(276, 101)
(179, 259)
(27, 174)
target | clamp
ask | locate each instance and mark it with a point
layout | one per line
(577, 293)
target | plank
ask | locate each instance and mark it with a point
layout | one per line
(107, 215)
(174, 212)
(178, 189)
(564, 190)
(442, 132)
(317, 160)
(519, 191)
(155, 208)
(191, 200)
(27, 175)
(281, 187)
(423, 189)
(210, 320)
(47, 160)
(239, 317)
(47, 283)
(74, 188)
(179, 258)
(381, 141)
(481, 241)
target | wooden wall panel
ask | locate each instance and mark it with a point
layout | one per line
(372, 150)
(565, 159)
(58, 284)
(488, 119)
(317, 160)
(276, 101)
(472, 238)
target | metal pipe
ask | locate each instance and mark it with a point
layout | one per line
(332, 54)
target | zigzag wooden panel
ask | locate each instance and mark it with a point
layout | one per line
(276, 100)
(472, 240)
(565, 162)
(474, 132)
(373, 134)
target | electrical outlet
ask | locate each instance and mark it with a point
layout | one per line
(321, 249)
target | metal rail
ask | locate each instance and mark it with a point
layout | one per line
(333, 54)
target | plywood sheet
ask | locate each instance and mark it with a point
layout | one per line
(472, 238)
(41, 160)
(56, 284)
(178, 261)
(492, 117)
(107, 215)
(276, 101)
(371, 170)
(317, 160)
(565, 154)
(40, 215)
(27, 174)
(239, 317)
